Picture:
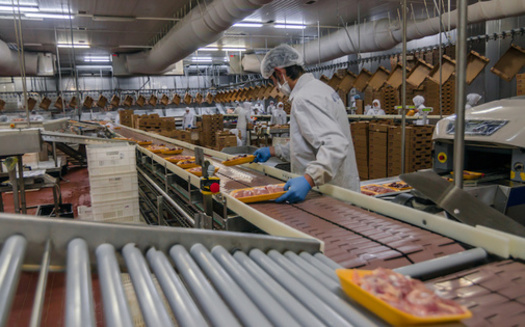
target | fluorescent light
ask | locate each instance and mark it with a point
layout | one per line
(208, 49)
(53, 16)
(233, 49)
(297, 27)
(69, 45)
(16, 9)
(97, 59)
(33, 44)
(27, 4)
(248, 25)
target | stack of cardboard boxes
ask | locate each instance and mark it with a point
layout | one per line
(418, 149)
(520, 84)
(224, 139)
(360, 138)
(126, 117)
(211, 124)
(377, 150)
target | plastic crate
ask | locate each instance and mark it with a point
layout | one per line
(109, 159)
(113, 187)
(113, 210)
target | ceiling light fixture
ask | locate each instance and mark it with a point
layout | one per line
(97, 59)
(288, 26)
(233, 49)
(246, 24)
(52, 16)
(16, 8)
(103, 18)
(209, 49)
(76, 45)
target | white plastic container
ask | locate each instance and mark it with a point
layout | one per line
(110, 159)
(117, 210)
(113, 187)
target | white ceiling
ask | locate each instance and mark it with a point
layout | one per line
(149, 19)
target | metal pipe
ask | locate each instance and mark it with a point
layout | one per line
(445, 263)
(323, 310)
(11, 172)
(22, 186)
(79, 291)
(461, 71)
(319, 265)
(38, 302)
(241, 304)
(116, 310)
(303, 315)
(211, 303)
(150, 302)
(11, 260)
(337, 302)
(267, 304)
(180, 300)
(404, 88)
(168, 198)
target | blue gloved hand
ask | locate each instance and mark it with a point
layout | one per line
(262, 155)
(297, 188)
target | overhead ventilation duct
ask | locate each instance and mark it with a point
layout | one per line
(10, 64)
(381, 35)
(202, 26)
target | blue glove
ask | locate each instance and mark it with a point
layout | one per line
(297, 189)
(262, 155)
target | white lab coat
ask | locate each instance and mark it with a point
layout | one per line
(188, 119)
(270, 109)
(243, 118)
(278, 117)
(320, 140)
(375, 112)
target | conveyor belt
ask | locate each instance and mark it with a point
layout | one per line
(354, 237)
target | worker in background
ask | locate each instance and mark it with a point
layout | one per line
(243, 118)
(320, 147)
(270, 108)
(188, 119)
(278, 115)
(260, 108)
(419, 103)
(353, 104)
(472, 100)
(376, 109)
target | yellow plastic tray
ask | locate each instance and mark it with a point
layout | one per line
(258, 198)
(171, 151)
(239, 161)
(124, 139)
(175, 160)
(198, 172)
(384, 310)
(395, 188)
(377, 185)
(144, 142)
(155, 149)
(188, 165)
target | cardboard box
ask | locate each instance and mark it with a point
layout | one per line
(46, 102)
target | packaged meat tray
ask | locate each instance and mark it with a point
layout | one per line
(377, 189)
(185, 164)
(171, 151)
(398, 299)
(156, 148)
(197, 171)
(144, 142)
(397, 186)
(175, 159)
(259, 194)
(239, 160)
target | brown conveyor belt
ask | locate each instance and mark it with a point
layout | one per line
(354, 237)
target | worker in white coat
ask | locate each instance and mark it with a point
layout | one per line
(243, 118)
(472, 100)
(419, 103)
(320, 147)
(278, 115)
(376, 109)
(271, 108)
(188, 119)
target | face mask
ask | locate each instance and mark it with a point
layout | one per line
(285, 88)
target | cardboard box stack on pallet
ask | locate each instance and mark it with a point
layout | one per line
(448, 98)
(520, 84)
(126, 117)
(377, 150)
(210, 125)
(360, 138)
(224, 139)
(418, 149)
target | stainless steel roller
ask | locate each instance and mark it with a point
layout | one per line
(11, 261)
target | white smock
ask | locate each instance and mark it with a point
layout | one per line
(188, 119)
(270, 109)
(320, 140)
(243, 118)
(375, 111)
(278, 117)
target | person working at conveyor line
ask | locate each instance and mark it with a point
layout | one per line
(188, 119)
(376, 109)
(320, 146)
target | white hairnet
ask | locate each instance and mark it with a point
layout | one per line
(280, 57)
(247, 105)
(418, 100)
(280, 105)
(271, 102)
(473, 98)
(378, 103)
